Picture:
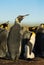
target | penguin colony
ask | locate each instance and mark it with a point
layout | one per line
(20, 42)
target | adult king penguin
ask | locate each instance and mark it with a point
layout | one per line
(14, 38)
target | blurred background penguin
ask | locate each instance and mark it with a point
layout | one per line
(4, 25)
(3, 39)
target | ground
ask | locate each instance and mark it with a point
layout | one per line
(36, 61)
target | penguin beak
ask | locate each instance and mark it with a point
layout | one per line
(26, 15)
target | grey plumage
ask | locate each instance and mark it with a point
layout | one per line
(3, 42)
(14, 39)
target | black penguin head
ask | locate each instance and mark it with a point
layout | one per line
(21, 17)
(4, 25)
(42, 25)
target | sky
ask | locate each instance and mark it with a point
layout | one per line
(10, 9)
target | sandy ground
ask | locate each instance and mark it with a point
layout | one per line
(36, 61)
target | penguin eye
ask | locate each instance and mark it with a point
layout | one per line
(20, 18)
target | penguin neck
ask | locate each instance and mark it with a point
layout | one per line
(17, 22)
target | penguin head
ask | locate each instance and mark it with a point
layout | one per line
(20, 18)
(4, 25)
(42, 25)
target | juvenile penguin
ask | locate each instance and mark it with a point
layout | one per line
(14, 39)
